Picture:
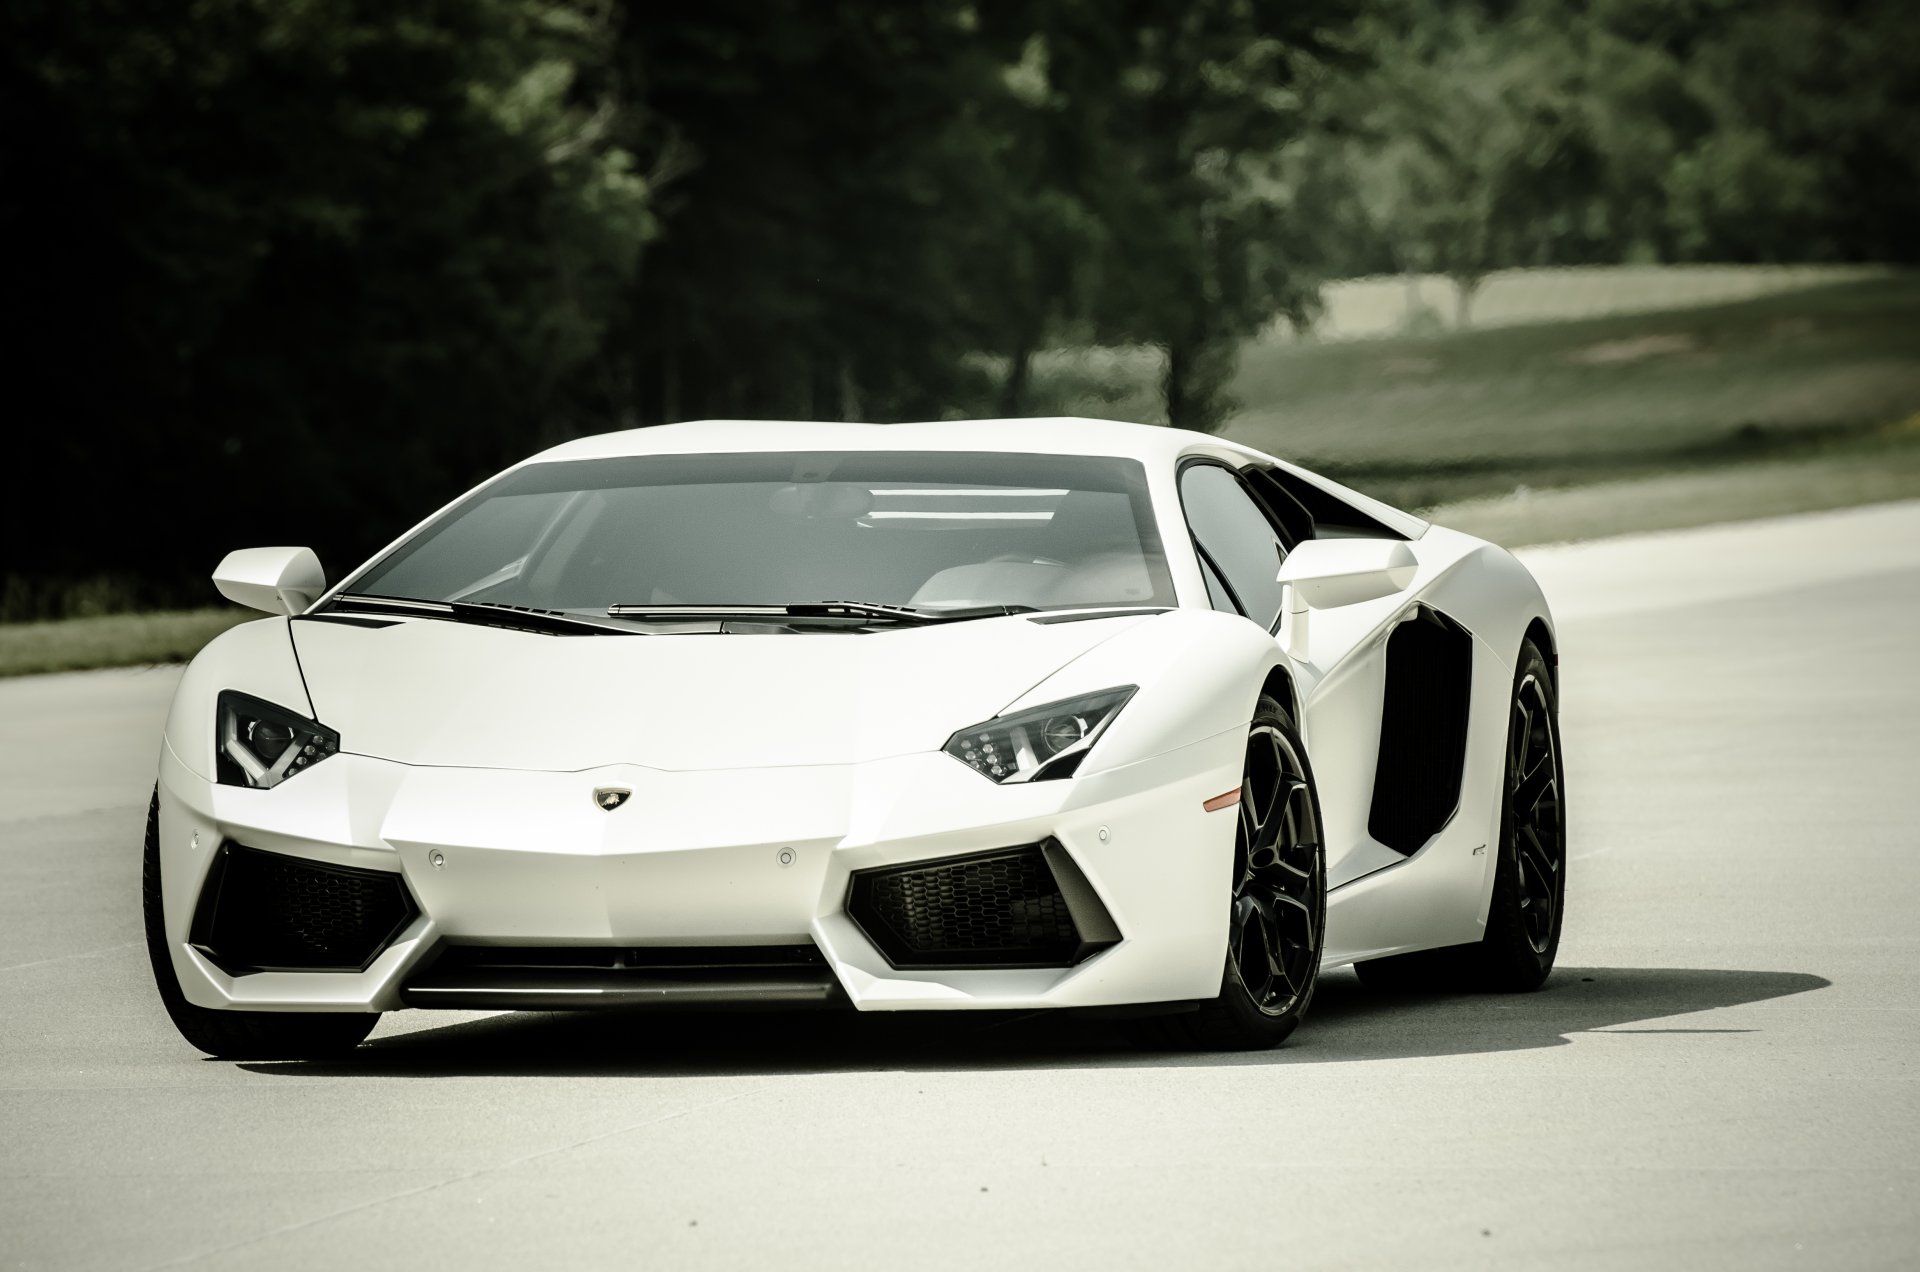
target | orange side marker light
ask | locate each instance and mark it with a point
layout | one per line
(1225, 800)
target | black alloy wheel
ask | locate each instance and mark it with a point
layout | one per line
(1535, 821)
(1277, 916)
(235, 1035)
(1530, 875)
(1530, 881)
(1274, 939)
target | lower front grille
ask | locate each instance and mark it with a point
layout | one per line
(570, 977)
(1013, 907)
(261, 911)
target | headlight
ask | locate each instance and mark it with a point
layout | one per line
(262, 745)
(1038, 744)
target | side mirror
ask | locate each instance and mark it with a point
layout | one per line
(1329, 573)
(277, 580)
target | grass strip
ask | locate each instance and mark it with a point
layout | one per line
(1840, 477)
(111, 640)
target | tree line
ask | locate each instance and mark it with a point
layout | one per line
(294, 271)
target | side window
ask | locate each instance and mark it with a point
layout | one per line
(1217, 594)
(1328, 516)
(1237, 537)
(1295, 522)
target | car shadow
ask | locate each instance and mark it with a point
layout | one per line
(1348, 1022)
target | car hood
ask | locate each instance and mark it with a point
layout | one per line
(433, 692)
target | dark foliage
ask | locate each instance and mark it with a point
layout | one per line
(293, 272)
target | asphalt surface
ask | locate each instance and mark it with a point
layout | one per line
(1721, 1072)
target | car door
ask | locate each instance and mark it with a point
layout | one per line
(1243, 526)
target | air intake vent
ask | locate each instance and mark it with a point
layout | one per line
(1012, 907)
(1423, 730)
(261, 911)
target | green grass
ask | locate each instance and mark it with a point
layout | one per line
(1585, 396)
(1788, 401)
(111, 640)
(1367, 307)
(1877, 469)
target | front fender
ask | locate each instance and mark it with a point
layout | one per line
(1199, 674)
(1490, 593)
(256, 658)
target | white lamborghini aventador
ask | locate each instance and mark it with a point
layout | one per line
(948, 716)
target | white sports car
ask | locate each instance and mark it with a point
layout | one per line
(948, 716)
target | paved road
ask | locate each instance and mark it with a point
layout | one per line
(1721, 1073)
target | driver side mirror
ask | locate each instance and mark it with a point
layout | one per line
(277, 580)
(1329, 573)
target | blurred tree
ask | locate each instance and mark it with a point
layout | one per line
(822, 253)
(292, 270)
(284, 259)
(1805, 137)
(1509, 133)
(870, 193)
(1478, 147)
(1051, 237)
(1211, 92)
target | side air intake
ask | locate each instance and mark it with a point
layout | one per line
(1423, 730)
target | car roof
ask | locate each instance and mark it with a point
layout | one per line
(1065, 435)
(1154, 445)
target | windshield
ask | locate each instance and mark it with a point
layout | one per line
(933, 530)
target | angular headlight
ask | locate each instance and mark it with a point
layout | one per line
(262, 745)
(1041, 743)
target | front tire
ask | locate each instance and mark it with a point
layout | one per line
(1278, 910)
(1530, 878)
(235, 1035)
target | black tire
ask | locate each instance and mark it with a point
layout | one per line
(1278, 910)
(1530, 875)
(236, 1035)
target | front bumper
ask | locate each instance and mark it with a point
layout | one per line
(734, 858)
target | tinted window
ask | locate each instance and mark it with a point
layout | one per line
(931, 530)
(1331, 517)
(1217, 594)
(1233, 531)
(1295, 522)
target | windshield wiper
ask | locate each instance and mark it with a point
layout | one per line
(486, 614)
(526, 619)
(803, 610)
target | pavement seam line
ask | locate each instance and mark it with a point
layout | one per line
(330, 1216)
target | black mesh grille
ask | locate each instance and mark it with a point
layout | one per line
(262, 911)
(1001, 908)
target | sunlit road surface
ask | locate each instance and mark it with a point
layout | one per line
(1721, 1073)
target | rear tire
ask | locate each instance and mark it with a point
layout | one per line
(1277, 915)
(235, 1035)
(1530, 877)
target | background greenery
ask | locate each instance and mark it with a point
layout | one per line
(296, 271)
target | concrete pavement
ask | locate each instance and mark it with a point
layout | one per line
(1720, 1073)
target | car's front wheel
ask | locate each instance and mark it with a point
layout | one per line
(235, 1035)
(1277, 913)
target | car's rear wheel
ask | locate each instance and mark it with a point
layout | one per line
(1530, 874)
(1277, 914)
(235, 1035)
